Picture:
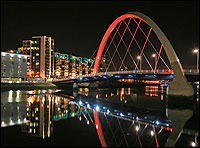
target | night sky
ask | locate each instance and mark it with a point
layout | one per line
(78, 27)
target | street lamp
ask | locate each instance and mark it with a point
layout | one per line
(154, 56)
(196, 51)
(139, 58)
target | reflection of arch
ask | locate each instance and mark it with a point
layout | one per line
(99, 129)
(179, 85)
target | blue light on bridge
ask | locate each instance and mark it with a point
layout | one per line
(129, 114)
(118, 76)
(96, 77)
(105, 77)
(80, 78)
(121, 114)
(131, 76)
(157, 122)
(155, 76)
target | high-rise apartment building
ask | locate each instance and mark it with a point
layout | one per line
(41, 60)
(69, 65)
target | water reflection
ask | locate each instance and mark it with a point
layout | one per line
(132, 116)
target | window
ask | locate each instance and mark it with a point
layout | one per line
(37, 54)
(24, 60)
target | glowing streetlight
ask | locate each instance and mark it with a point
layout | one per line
(152, 133)
(140, 58)
(137, 128)
(196, 51)
(154, 56)
(193, 144)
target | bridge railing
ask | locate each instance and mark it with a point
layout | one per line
(191, 70)
(158, 71)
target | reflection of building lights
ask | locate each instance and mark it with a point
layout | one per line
(152, 133)
(108, 111)
(88, 105)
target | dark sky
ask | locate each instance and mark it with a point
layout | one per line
(78, 27)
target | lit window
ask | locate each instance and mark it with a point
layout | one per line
(37, 63)
(37, 54)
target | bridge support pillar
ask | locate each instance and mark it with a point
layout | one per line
(75, 85)
(179, 85)
(179, 119)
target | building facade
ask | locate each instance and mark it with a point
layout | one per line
(69, 65)
(13, 65)
(41, 60)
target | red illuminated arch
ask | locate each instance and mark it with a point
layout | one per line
(174, 61)
(106, 36)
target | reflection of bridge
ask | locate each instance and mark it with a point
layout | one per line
(119, 128)
(133, 30)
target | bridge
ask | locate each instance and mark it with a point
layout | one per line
(134, 42)
(162, 76)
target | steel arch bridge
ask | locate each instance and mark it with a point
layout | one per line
(179, 85)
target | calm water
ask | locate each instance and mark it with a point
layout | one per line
(132, 116)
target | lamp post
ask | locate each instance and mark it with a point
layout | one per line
(139, 58)
(154, 56)
(196, 51)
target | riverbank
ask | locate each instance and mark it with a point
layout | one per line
(29, 85)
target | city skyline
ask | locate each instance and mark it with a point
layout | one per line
(78, 27)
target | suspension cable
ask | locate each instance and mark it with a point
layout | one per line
(151, 44)
(130, 42)
(111, 131)
(123, 132)
(139, 48)
(119, 43)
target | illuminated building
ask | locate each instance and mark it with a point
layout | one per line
(68, 65)
(13, 65)
(39, 111)
(41, 61)
(42, 110)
